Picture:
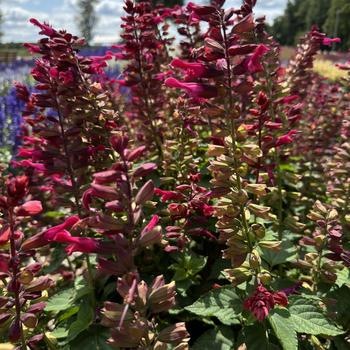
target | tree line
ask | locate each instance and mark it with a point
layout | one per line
(331, 16)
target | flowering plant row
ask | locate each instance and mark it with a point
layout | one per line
(198, 200)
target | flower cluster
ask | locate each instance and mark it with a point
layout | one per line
(23, 287)
(181, 190)
(262, 301)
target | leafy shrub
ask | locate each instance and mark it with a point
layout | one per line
(192, 202)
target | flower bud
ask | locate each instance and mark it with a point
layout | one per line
(14, 333)
(215, 150)
(319, 241)
(25, 277)
(30, 208)
(254, 260)
(135, 153)
(258, 230)
(145, 193)
(144, 169)
(29, 320)
(332, 215)
(174, 334)
(320, 207)
(265, 277)
(162, 298)
(119, 142)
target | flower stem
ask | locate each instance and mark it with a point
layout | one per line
(16, 283)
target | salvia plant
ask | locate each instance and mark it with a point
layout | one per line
(177, 192)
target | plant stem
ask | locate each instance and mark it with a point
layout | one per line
(234, 135)
(75, 191)
(16, 283)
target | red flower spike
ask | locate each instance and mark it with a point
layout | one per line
(262, 301)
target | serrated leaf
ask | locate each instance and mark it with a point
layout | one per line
(218, 339)
(222, 303)
(84, 319)
(282, 325)
(287, 252)
(308, 318)
(62, 300)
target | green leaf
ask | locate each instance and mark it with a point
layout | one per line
(60, 332)
(287, 252)
(223, 303)
(254, 337)
(93, 339)
(343, 277)
(187, 266)
(62, 300)
(282, 325)
(69, 313)
(218, 339)
(308, 318)
(84, 319)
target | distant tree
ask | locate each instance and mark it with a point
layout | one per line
(290, 23)
(329, 15)
(317, 12)
(87, 18)
(338, 21)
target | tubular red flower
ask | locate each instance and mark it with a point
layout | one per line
(254, 65)
(194, 69)
(167, 195)
(330, 41)
(71, 221)
(286, 139)
(30, 208)
(193, 89)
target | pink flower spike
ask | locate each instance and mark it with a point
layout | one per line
(193, 89)
(330, 41)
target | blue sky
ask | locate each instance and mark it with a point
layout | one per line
(61, 14)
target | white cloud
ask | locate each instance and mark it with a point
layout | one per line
(61, 14)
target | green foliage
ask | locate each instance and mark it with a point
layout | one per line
(222, 303)
(337, 22)
(283, 327)
(307, 317)
(186, 269)
(217, 338)
(300, 15)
